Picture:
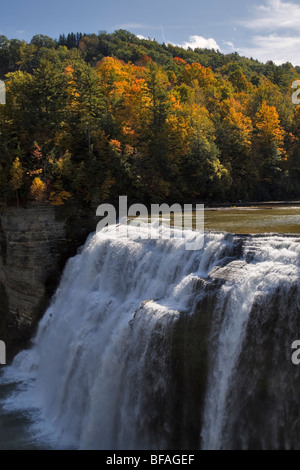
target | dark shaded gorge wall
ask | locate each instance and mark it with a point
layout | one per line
(35, 243)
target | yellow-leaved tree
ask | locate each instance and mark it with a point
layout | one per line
(268, 125)
(269, 145)
(17, 175)
(38, 189)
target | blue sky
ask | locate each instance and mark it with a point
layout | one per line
(263, 29)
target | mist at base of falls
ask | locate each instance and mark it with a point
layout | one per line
(147, 345)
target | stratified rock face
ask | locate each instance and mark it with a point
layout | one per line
(34, 246)
(30, 254)
(229, 272)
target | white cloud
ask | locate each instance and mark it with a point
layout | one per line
(229, 44)
(277, 37)
(274, 47)
(275, 15)
(140, 36)
(201, 42)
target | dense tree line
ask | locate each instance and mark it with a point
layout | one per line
(91, 117)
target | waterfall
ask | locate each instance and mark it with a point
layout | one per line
(147, 345)
(266, 290)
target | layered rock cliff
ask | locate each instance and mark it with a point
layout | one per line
(35, 243)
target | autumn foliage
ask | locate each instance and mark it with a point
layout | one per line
(92, 117)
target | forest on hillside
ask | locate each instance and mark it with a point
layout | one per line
(89, 117)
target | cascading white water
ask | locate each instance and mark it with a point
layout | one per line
(142, 345)
(273, 265)
(89, 359)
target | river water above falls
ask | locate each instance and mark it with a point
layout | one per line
(148, 345)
